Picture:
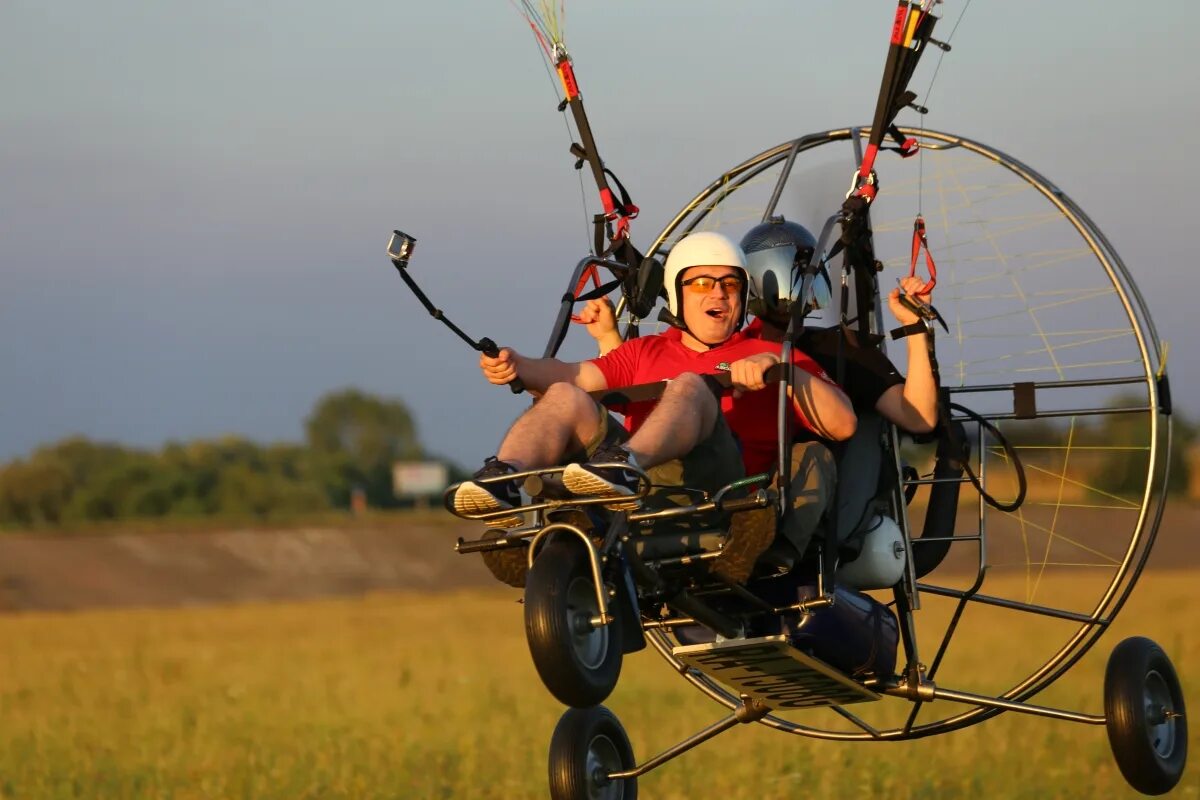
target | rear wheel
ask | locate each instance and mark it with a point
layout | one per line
(589, 744)
(578, 661)
(1147, 727)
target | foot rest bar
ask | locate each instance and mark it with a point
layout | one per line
(760, 499)
(644, 487)
(509, 542)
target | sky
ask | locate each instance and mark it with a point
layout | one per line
(195, 198)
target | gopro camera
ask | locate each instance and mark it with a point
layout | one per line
(400, 247)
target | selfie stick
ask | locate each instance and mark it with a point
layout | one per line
(400, 250)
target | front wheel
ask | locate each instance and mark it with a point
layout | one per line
(588, 745)
(1144, 711)
(579, 662)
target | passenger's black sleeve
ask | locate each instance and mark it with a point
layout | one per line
(866, 373)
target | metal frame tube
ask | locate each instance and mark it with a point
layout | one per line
(671, 752)
(749, 711)
(1001, 704)
(593, 558)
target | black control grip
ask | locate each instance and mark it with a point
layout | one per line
(489, 349)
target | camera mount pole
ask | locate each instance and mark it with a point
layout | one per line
(400, 251)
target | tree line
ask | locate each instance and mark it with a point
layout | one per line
(351, 441)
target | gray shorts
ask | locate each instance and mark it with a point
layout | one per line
(811, 490)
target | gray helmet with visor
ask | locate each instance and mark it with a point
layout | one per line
(778, 253)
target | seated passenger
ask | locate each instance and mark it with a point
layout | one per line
(685, 438)
(773, 250)
(776, 252)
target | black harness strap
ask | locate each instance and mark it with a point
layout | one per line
(905, 145)
(599, 291)
(910, 330)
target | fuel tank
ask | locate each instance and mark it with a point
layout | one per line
(857, 634)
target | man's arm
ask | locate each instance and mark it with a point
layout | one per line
(912, 405)
(823, 405)
(820, 403)
(538, 374)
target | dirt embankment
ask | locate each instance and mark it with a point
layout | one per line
(73, 571)
(42, 571)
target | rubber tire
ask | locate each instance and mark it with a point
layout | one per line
(579, 669)
(1138, 665)
(585, 740)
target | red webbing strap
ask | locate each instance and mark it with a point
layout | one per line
(866, 182)
(588, 152)
(910, 29)
(616, 214)
(919, 242)
(624, 211)
(887, 90)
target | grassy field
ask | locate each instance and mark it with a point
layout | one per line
(434, 696)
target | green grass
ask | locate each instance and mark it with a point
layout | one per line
(434, 696)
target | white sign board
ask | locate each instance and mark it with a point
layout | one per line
(418, 478)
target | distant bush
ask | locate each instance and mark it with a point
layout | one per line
(352, 440)
(77, 480)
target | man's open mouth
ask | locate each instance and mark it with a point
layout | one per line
(717, 313)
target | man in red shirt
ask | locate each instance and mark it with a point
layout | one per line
(685, 438)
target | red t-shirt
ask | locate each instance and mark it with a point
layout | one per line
(751, 417)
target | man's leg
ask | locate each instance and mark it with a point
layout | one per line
(811, 490)
(563, 419)
(684, 417)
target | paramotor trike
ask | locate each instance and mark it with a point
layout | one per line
(1054, 382)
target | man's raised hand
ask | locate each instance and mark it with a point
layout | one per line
(910, 286)
(599, 317)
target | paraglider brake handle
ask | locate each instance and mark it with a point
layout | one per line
(400, 251)
(927, 313)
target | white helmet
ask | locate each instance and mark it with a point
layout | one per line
(702, 249)
(880, 564)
